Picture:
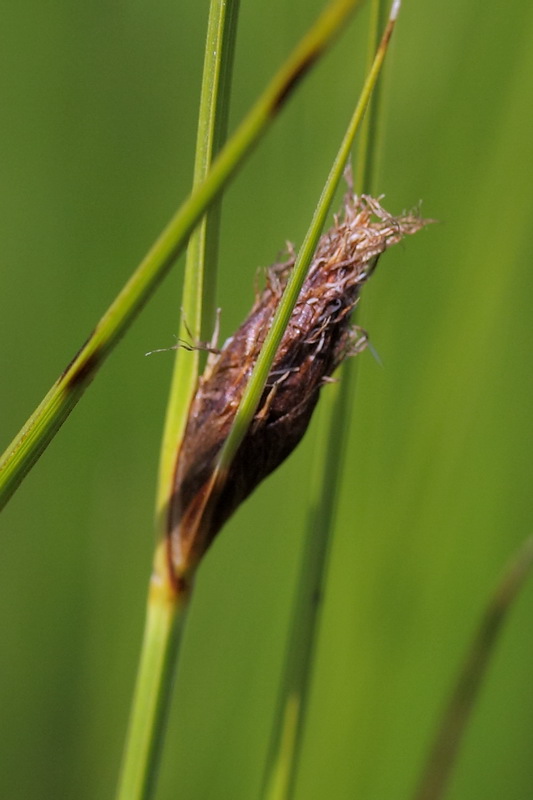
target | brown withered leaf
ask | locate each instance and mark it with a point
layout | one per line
(319, 336)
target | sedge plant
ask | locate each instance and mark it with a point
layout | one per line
(171, 585)
(170, 590)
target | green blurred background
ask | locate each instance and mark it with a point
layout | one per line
(99, 105)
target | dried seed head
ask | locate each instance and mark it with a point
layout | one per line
(318, 337)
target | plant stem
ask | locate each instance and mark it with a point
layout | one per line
(165, 618)
(289, 722)
(256, 384)
(456, 715)
(369, 136)
(167, 598)
(198, 303)
(43, 424)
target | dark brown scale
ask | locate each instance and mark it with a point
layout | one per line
(317, 339)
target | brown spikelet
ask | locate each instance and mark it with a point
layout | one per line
(319, 336)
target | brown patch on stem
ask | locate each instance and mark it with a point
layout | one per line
(77, 354)
(84, 371)
(293, 80)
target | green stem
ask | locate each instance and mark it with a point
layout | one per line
(289, 722)
(165, 618)
(46, 420)
(256, 384)
(454, 720)
(166, 604)
(198, 303)
(369, 137)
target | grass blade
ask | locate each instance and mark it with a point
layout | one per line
(452, 726)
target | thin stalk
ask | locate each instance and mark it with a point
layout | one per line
(165, 618)
(289, 723)
(256, 384)
(198, 303)
(456, 715)
(167, 599)
(369, 138)
(46, 420)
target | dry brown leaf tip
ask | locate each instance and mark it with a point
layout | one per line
(317, 339)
